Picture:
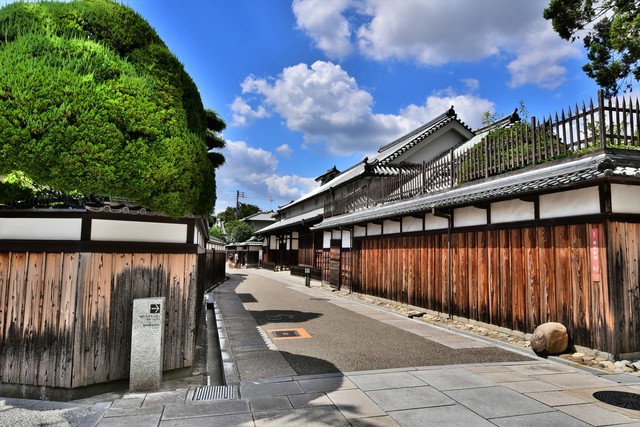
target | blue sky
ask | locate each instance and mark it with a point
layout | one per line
(304, 85)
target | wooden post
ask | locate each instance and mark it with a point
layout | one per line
(486, 156)
(601, 118)
(534, 151)
(451, 168)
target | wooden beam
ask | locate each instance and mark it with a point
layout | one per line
(442, 213)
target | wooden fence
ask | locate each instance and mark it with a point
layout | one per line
(215, 271)
(65, 318)
(515, 278)
(609, 125)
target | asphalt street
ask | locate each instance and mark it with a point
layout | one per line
(315, 335)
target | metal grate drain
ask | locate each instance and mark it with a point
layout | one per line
(214, 392)
(620, 399)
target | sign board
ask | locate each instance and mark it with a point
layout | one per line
(595, 254)
(147, 333)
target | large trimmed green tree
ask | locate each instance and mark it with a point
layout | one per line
(92, 100)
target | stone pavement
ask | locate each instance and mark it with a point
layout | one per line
(537, 392)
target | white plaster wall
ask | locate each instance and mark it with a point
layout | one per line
(137, 231)
(336, 234)
(273, 244)
(427, 151)
(294, 244)
(359, 231)
(346, 239)
(512, 211)
(570, 203)
(433, 222)
(410, 223)
(469, 216)
(390, 227)
(326, 240)
(374, 229)
(40, 228)
(625, 198)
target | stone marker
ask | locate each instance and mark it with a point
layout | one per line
(550, 338)
(147, 333)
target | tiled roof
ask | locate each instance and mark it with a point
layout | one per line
(261, 216)
(513, 185)
(293, 221)
(392, 151)
(387, 153)
(391, 170)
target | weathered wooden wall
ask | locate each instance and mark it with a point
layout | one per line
(65, 318)
(516, 278)
(624, 277)
(214, 265)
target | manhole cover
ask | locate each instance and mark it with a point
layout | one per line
(286, 334)
(620, 399)
(218, 392)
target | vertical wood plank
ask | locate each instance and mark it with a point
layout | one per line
(532, 292)
(483, 278)
(517, 280)
(493, 277)
(580, 277)
(562, 274)
(505, 280)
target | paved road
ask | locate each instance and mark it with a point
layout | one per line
(334, 334)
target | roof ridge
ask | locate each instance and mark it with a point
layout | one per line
(416, 131)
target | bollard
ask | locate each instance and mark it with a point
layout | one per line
(307, 277)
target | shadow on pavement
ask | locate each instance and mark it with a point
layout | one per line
(285, 316)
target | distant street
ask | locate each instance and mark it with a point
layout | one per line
(316, 332)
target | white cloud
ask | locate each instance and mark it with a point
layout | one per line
(472, 85)
(538, 59)
(243, 113)
(284, 150)
(435, 33)
(289, 186)
(253, 171)
(327, 106)
(468, 107)
(325, 24)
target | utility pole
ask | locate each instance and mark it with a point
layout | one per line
(238, 195)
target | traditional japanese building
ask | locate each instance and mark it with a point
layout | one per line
(514, 225)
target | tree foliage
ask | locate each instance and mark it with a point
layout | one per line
(238, 231)
(611, 36)
(246, 209)
(216, 232)
(91, 100)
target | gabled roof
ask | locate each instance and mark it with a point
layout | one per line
(386, 154)
(310, 216)
(391, 151)
(328, 175)
(261, 216)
